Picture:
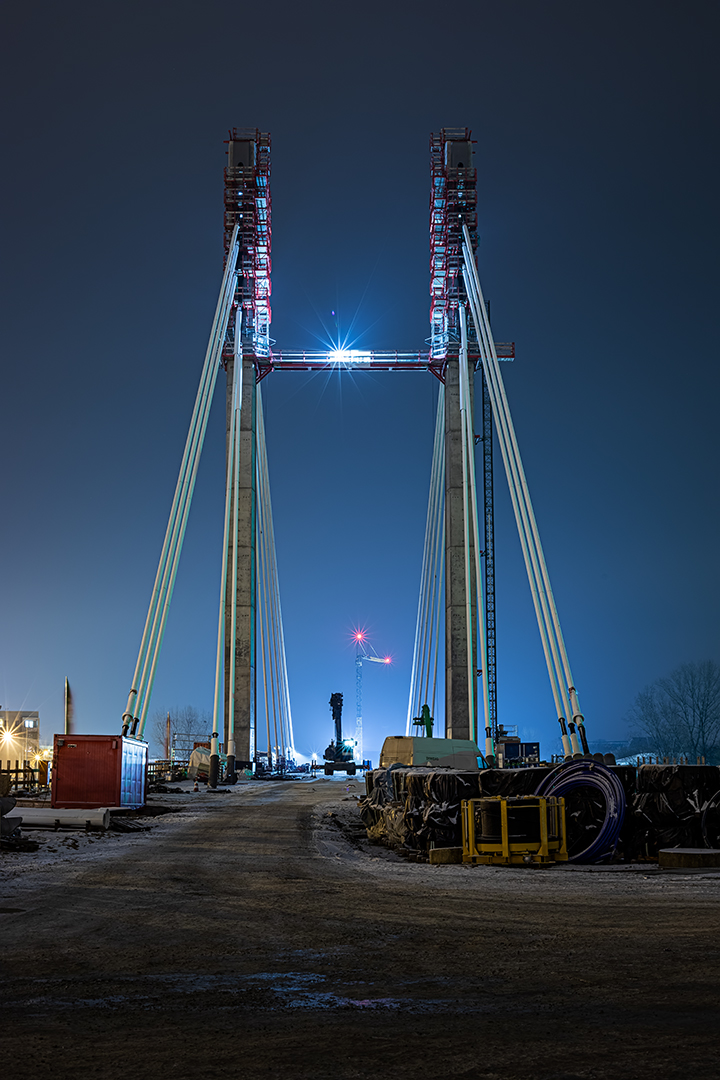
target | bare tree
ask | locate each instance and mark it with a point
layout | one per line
(681, 714)
(184, 719)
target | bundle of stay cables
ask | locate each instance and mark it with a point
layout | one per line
(573, 777)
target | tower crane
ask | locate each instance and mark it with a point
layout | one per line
(361, 653)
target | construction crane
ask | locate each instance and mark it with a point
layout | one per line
(361, 653)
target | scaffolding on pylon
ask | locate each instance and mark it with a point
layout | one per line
(248, 205)
(453, 200)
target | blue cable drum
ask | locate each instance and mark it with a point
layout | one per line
(574, 775)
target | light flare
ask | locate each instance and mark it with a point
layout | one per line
(349, 357)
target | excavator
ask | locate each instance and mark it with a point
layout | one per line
(340, 753)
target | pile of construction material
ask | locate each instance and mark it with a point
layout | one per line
(416, 809)
(11, 838)
(675, 806)
(17, 818)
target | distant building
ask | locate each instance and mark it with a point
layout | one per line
(19, 736)
(623, 747)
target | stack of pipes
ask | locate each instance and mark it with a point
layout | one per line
(136, 710)
(564, 693)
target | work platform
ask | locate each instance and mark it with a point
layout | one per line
(359, 359)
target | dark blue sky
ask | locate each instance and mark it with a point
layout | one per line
(597, 158)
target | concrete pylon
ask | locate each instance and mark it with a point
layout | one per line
(459, 723)
(242, 548)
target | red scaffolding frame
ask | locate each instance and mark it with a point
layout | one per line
(248, 204)
(453, 201)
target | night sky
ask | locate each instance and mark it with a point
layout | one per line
(597, 157)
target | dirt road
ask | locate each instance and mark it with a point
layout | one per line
(247, 934)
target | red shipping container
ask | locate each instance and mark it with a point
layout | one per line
(89, 771)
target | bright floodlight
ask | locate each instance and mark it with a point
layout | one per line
(349, 356)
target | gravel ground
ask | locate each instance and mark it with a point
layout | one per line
(258, 931)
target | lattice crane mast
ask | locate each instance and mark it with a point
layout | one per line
(362, 654)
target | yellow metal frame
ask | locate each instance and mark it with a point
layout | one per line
(548, 850)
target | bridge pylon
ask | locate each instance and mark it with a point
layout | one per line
(453, 202)
(247, 205)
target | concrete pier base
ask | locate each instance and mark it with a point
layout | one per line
(689, 859)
